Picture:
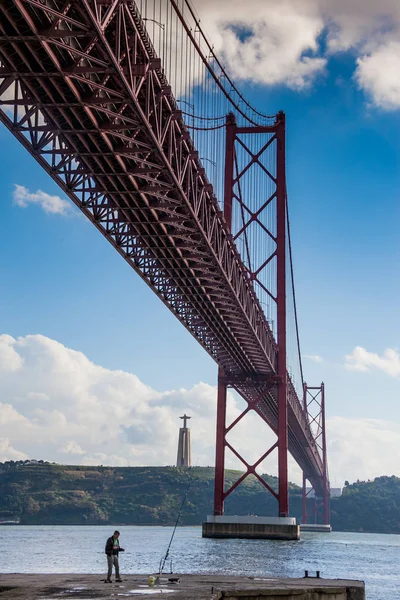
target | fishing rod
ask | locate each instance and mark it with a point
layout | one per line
(164, 560)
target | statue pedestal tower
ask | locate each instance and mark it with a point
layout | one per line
(184, 457)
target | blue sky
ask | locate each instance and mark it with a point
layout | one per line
(61, 279)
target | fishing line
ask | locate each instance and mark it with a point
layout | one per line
(164, 559)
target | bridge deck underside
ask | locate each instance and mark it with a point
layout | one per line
(82, 90)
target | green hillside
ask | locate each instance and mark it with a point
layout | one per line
(55, 494)
(44, 493)
(371, 506)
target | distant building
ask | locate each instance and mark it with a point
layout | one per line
(184, 455)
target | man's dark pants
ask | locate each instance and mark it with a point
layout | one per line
(113, 560)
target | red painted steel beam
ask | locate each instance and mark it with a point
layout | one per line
(281, 318)
(220, 445)
(327, 495)
(219, 479)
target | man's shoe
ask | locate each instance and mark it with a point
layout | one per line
(118, 580)
(107, 581)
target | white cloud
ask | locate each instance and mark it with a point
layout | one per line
(72, 447)
(10, 360)
(362, 360)
(378, 74)
(62, 407)
(280, 42)
(362, 449)
(266, 42)
(51, 204)
(37, 397)
(314, 357)
(59, 406)
(8, 415)
(7, 452)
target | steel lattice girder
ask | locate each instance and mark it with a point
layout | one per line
(84, 92)
(116, 143)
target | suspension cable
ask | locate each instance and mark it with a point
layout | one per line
(223, 70)
(294, 293)
(211, 70)
(213, 128)
(203, 118)
(200, 117)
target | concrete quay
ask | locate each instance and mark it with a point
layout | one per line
(190, 587)
(262, 528)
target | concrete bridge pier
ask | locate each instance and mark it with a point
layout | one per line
(316, 527)
(267, 528)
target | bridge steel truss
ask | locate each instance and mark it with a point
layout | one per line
(83, 91)
(316, 506)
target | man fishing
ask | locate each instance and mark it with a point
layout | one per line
(112, 550)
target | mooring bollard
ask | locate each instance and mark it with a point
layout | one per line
(317, 575)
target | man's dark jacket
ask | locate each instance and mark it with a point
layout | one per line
(110, 550)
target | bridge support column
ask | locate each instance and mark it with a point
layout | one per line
(219, 481)
(316, 497)
(281, 318)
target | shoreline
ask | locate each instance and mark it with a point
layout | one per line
(120, 525)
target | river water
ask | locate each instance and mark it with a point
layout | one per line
(374, 558)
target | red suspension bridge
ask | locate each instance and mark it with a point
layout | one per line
(127, 107)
